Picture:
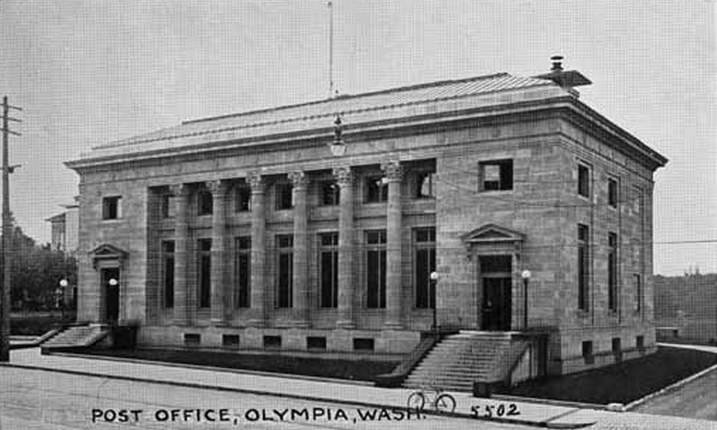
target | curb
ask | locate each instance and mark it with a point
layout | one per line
(669, 388)
(543, 424)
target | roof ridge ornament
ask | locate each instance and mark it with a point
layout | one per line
(337, 146)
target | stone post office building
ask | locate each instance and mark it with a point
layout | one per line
(317, 226)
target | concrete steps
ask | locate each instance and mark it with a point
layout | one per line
(461, 359)
(77, 336)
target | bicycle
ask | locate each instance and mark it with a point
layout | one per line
(441, 402)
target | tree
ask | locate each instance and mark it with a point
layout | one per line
(37, 270)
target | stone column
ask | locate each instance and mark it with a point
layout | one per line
(220, 248)
(258, 250)
(182, 315)
(393, 173)
(344, 179)
(300, 294)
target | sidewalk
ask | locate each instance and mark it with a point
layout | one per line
(539, 414)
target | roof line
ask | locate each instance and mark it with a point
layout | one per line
(350, 96)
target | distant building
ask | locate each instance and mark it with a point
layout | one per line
(65, 237)
(317, 226)
(65, 228)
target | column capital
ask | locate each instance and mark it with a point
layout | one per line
(343, 175)
(179, 189)
(392, 170)
(298, 179)
(255, 181)
(217, 186)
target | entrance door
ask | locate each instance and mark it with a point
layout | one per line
(495, 273)
(496, 304)
(110, 283)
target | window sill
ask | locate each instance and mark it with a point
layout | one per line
(495, 191)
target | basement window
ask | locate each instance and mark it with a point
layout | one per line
(617, 349)
(272, 341)
(363, 344)
(496, 175)
(588, 352)
(192, 339)
(640, 343)
(230, 340)
(316, 342)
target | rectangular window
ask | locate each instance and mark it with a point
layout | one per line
(242, 271)
(363, 344)
(169, 206)
(638, 292)
(424, 185)
(111, 207)
(588, 352)
(617, 348)
(168, 273)
(376, 269)
(640, 342)
(584, 180)
(612, 272)
(230, 340)
(205, 203)
(583, 266)
(242, 195)
(204, 260)
(496, 175)
(285, 269)
(316, 342)
(192, 339)
(272, 341)
(424, 264)
(328, 269)
(329, 193)
(376, 189)
(612, 192)
(284, 198)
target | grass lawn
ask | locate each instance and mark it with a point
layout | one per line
(37, 323)
(623, 382)
(361, 370)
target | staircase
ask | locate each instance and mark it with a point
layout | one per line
(461, 359)
(77, 336)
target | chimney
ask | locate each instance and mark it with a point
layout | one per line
(557, 63)
(566, 79)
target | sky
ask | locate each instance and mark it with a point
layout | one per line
(93, 71)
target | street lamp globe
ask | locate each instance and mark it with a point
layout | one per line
(63, 283)
(113, 282)
(526, 274)
(434, 276)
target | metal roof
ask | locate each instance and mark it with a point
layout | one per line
(313, 114)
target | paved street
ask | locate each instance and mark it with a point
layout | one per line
(697, 399)
(36, 399)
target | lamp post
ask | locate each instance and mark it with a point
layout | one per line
(60, 297)
(526, 278)
(433, 277)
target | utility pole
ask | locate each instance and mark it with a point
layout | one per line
(6, 232)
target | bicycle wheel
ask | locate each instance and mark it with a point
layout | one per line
(445, 403)
(416, 401)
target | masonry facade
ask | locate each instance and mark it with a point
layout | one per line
(280, 229)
